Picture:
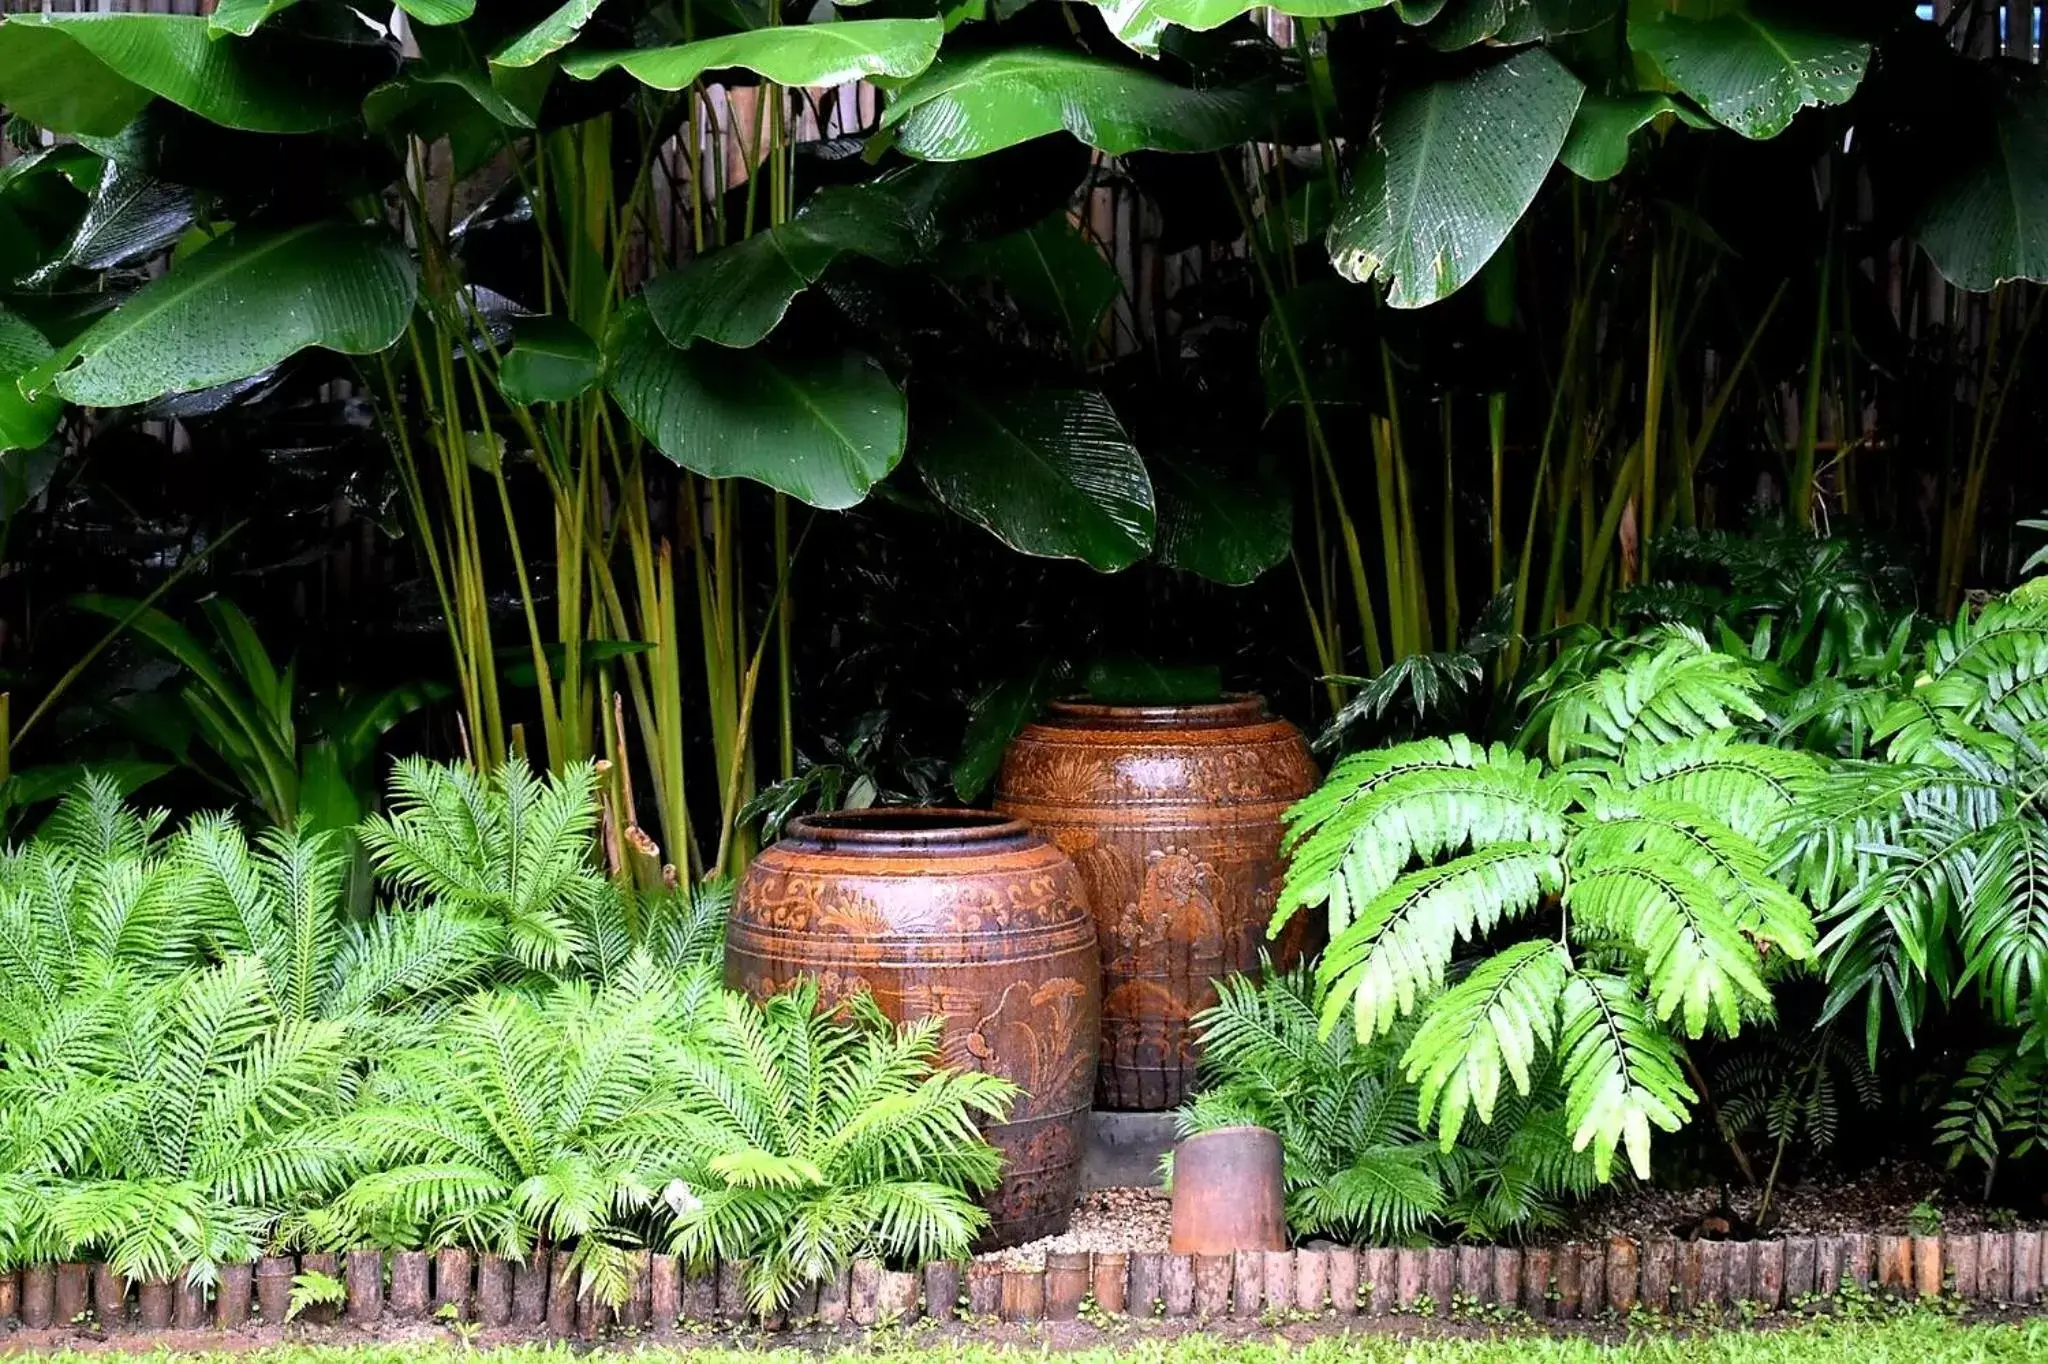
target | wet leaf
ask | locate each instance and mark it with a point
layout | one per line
(1222, 521)
(1048, 472)
(801, 54)
(1457, 164)
(236, 307)
(551, 361)
(1989, 222)
(737, 295)
(1754, 68)
(823, 429)
(1049, 270)
(980, 103)
(92, 73)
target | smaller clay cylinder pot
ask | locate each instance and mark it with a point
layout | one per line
(1227, 1193)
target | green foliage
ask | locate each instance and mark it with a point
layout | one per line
(204, 1055)
(514, 847)
(808, 1140)
(1358, 1163)
(1665, 918)
(529, 1121)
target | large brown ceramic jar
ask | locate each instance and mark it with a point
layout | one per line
(965, 914)
(1173, 815)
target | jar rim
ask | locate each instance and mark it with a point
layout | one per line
(907, 827)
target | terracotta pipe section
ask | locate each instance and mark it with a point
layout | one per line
(1572, 1281)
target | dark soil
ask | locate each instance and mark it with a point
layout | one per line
(1881, 1199)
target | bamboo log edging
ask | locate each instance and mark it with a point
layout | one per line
(1563, 1282)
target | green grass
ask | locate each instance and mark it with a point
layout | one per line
(1918, 1338)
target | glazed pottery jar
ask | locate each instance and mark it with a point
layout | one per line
(965, 914)
(1172, 814)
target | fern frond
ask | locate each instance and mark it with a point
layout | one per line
(1496, 1019)
(1621, 1072)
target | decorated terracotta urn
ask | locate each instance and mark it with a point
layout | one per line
(1172, 813)
(966, 914)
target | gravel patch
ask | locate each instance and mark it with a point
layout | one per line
(1135, 1220)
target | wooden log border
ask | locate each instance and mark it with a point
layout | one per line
(1570, 1281)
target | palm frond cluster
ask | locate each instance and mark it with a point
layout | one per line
(204, 1054)
(1780, 770)
(1357, 1161)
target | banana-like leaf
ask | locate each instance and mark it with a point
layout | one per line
(242, 17)
(800, 54)
(1755, 67)
(551, 361)
(1224, 523)
(1462, 23)
(1140, 24)
(1597, 148)
(1989, 223)
(1049, 472)
(24, 423)
(239, 306)
(1458, 163)
(824, 430)
(1050, 270)
(547, 37)
(986, 101)
(92, 73)
(438, 12)
(736, 296)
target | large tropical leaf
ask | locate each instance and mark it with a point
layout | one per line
(547, 37)
(824, 430)
(1142, 23)
(1989, 222)
(983, 102)
(1456, 165)
(1047, 471)
(736, 296)
(24, 423)
(236, 308)
(1221, 521)
(92, 73)
(1755, 67)
(801, 54)
(1461, 23)
(552, 360)
(1597, 148)
(1050, 270)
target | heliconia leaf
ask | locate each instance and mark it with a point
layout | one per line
(242, 17)
(822, 429)
(1457, 163)
(1597, 148)
(551, 361)
(549, 36)
(1753, 67)
(1049, 472)
(1049, 270)
(24, 423)
(92, 73)
(438, 12)
(796, 55)
(1140, 24)
(1988, 222)
(735, 296)
(985, 101)
(239, 306)
(1222, 522)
